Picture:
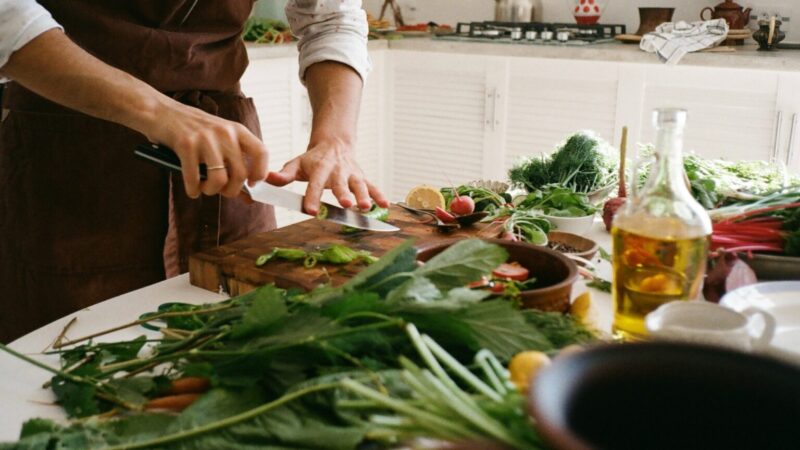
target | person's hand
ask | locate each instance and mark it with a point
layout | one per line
(231, 153)
(330, 164)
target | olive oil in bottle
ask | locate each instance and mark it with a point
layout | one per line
(660, 236)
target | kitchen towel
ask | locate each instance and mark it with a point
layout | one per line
(672, 40)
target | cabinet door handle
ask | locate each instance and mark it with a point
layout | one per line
(489, 114)
(495, 120)
(790, 150)
(777, 143)
(492, 96)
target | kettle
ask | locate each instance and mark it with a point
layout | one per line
(733, 13)
(513, 10)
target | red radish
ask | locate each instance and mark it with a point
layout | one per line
(445, 216)
(509, 236)
(511, 271)
(462, 205)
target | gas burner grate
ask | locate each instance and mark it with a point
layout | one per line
(581, 32)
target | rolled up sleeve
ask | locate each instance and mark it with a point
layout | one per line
(330, 30)
(20, 22)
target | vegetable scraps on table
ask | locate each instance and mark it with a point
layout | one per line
(381, 359)
(375, 212)
(333, 254)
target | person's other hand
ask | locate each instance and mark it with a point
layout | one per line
(330, 164)
(231, 153)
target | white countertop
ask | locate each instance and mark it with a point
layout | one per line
(743, 57)
(21, 390)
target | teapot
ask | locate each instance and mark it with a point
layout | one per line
(733, 13)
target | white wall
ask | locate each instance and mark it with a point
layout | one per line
(618, 11)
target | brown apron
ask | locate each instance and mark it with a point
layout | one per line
(81, 219)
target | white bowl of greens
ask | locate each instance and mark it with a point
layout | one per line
(575, 225)
(565, 209)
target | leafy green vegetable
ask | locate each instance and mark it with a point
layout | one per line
(528, 226)
(375, 212)
(461, 263)
(717, 182)
(268, 307)
(582, 163)
(77, 399)
(600, 284)
(557, 201)
(277, 358)
(334, 254)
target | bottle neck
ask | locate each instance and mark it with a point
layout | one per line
(668, 169)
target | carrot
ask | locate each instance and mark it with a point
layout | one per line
(175, 403)
(189, 385)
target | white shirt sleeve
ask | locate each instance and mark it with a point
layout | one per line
(20, 22)
(330, 30)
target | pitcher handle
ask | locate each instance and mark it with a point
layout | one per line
(703, 11)
(763, 340)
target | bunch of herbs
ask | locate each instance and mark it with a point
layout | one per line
(276, 358)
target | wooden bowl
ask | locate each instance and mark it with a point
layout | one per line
(555, 273)
(666, 396)
(585, 247)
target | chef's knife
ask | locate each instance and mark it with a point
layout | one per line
(266, 193)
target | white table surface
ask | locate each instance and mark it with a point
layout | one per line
(21, 393)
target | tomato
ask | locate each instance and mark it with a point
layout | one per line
(512, 271)
(498, 287)
(483, 282)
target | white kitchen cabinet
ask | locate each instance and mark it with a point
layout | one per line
(443, 118)
(447, 118)
(273, 85)
(270, 83)
(548, 100)
(732, 112)
(787, 149)
(372, 122)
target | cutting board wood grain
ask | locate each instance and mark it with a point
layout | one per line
(231, 268)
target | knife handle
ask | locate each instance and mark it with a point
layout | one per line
(164, 157)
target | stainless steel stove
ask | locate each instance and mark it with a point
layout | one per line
(534, 33)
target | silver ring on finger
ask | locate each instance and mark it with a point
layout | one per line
(216, 168)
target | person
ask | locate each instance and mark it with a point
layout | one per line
(81, 219)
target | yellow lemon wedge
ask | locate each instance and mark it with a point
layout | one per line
(425, 197)
(581, 305)
(524, 366)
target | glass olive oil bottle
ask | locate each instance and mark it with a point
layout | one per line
(660, 236)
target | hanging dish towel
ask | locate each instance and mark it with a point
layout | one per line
(674, 40)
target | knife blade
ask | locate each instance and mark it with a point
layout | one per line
(264, 192)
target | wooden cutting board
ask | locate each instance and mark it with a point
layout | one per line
(231, 268)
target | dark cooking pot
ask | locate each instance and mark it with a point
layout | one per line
(667, 396)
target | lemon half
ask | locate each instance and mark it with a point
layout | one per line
(425, 197)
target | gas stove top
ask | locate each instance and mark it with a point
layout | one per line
(537, 33)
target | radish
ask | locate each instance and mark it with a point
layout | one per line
(445, 216)
(462, 205)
